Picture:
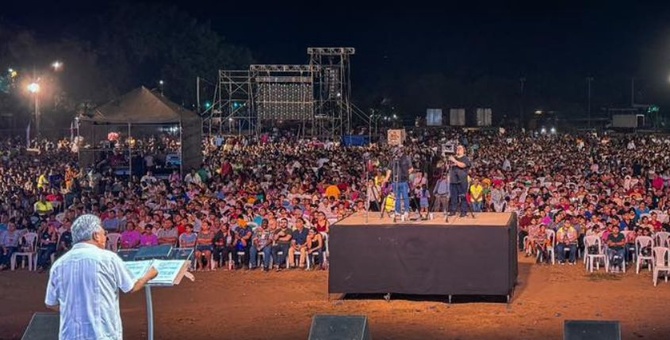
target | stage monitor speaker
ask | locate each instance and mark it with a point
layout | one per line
(591, 330)
(339, 327)
(43, 326)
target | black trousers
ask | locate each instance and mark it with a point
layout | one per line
(221, 254)
(457, 192)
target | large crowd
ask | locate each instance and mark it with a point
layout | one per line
(269, 202)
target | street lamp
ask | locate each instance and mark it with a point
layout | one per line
(34, 88)
(57, 65)
(160, 85)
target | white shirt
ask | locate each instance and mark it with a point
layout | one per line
(85, 283)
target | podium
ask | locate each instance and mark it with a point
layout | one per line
(172, 265)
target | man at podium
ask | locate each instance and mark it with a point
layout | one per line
(83, 284)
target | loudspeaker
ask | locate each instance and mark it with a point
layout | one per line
(335, 327)
(591, 330)
(43, 326)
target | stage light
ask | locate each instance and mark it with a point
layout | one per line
(543, 131)
(57, 65)
(553, 130)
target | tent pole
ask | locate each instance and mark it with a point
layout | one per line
(181, 150)
(130, 156)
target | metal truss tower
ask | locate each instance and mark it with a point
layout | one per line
(232, 109)
(333, 109)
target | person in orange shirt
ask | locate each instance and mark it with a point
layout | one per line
(333, 191)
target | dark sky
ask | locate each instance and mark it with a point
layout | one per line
(525, 38)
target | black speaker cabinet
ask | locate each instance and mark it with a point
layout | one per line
(43, 326)
(335, 327)
(591, 330)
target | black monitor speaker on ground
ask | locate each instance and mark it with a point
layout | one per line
(339, 327)
(43, 326)
(591, 330)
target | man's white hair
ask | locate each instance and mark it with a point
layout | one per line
(84, 227)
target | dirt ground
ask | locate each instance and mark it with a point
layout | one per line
(257, 305)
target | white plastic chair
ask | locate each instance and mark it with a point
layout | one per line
(29, 251)
(113, 241)
(661, 239)
(640, 243)
(590, 258)
(660, 255)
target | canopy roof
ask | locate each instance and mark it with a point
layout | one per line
(141, 106)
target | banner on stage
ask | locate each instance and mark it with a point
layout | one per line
(396, 137)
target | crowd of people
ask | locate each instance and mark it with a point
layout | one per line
(269, 202)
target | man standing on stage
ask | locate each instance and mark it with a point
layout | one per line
(83, 285)
(458, 179)
(401, 166)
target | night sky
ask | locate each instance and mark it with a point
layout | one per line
(582, 37)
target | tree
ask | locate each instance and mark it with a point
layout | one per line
(144, 43)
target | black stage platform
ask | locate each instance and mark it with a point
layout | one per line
(463, 257)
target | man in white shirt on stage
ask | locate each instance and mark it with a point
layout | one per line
(84, 283)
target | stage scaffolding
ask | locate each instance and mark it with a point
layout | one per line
(232, 108)
(317, 96)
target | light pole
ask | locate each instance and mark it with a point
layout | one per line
(589, 80)
(57, 65)
(160, 85)
(34, 88)
(522, 82)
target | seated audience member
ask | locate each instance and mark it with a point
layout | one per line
(9, 245)
(204, 247)
(315, 244)
(298, 244)
(188, 239)
(130, 238)
(261, 242)
(168, 234)
(224, 245)
(148, 238)
(281, 244)
(112, 224)
(243, 236)
(615, 247)
(48, 242)
(65, 240)
(566, 239)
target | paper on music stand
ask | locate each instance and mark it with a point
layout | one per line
(170, 272)
(138, 269)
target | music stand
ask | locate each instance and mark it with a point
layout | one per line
(172, 265)
(127, 254)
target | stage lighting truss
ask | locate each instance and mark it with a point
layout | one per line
(283, 92)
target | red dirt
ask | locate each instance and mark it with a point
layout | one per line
(257, 305)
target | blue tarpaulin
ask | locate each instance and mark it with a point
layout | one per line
(354, 140)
